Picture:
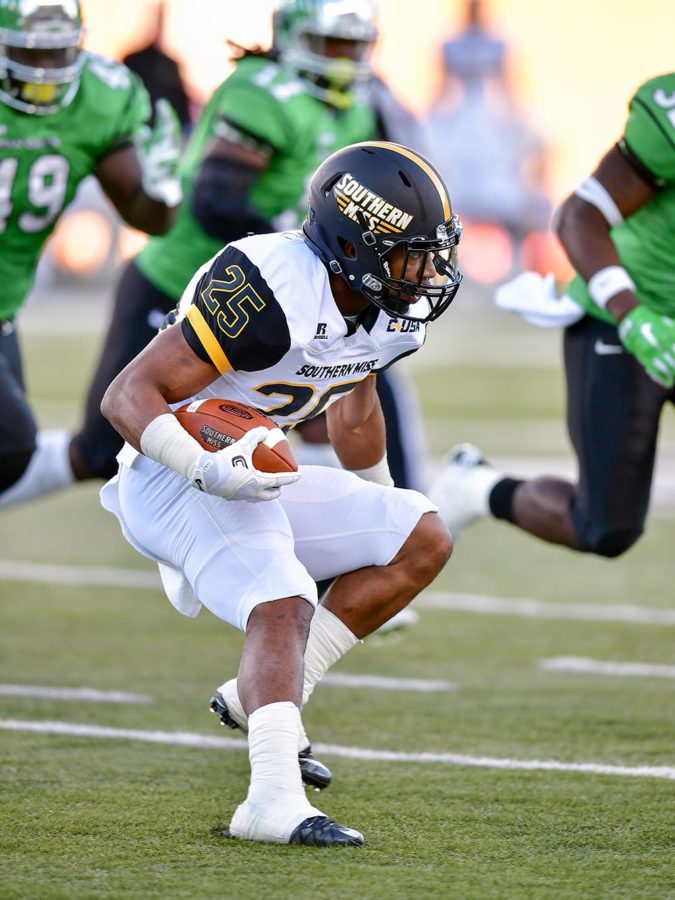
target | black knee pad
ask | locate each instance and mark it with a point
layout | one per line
(13, 465)
(611, 544)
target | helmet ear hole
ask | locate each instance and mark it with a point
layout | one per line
(348, 249)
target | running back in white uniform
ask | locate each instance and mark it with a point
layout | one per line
(263, 313)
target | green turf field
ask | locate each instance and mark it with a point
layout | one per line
(537, 783)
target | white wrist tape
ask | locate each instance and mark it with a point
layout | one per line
(167, 442)
(379, 473)
(608, 282)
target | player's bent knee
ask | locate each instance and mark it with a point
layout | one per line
(611, 544)
(13, 465)
(432, 546)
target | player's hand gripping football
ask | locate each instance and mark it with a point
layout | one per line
(650, 338)
(230, 472)
(159, 151)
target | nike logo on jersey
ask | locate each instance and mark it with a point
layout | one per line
(603, 349)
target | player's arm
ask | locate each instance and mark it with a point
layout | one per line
(141, 177)
(356, 429)
(220, 196)
(137, 405)
(166, 371)
(618, 188)
(614, 191)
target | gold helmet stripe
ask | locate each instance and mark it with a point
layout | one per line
(422, 163)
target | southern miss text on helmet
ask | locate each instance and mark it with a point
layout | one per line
(380, 217)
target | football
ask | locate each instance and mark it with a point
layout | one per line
(217, 423)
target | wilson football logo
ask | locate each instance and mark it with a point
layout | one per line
(383, 218)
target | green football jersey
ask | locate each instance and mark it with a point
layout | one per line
(44, 158)
(263, 102)
(645, 241)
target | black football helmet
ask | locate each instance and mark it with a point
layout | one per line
(380, 217)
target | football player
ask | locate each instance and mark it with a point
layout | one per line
(295, 323)
(619, 353)
(64, 114)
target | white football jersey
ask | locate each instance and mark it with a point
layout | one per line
(263, 313)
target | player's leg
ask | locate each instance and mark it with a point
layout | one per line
(390, 543)
(613, 411)
(137, 314)
(23, 460)
(57, 459)
(238, 560)
(613, 417)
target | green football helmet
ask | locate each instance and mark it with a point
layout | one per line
(40, 57)
(327, 43)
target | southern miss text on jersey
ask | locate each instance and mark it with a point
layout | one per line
(262, 104)
(43, 159)
(263, 313)
(645, 241)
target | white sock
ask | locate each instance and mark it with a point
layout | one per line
(276, 802)
(480, 487)
(329, 639)
(236, 710)
(273, 751)
(48, 470)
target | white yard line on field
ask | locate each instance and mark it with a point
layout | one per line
(599, 667)
(201, 741)
(11, 570)
(45, 573)
(383, 683)
(89, 695)
(538, 609)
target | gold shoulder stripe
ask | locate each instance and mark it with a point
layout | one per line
(210, 344)
(423, 164)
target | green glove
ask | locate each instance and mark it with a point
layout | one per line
(650, 338)
(159, 151)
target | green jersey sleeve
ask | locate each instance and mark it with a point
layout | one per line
(649, 136)
(122, 99)
(256, 114)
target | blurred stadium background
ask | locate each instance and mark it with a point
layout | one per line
(89, 814)
(571, 68)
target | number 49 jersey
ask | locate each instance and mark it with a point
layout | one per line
(43, 159)
(263, 313)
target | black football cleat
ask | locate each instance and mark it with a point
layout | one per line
(322, 831)
(313, 772)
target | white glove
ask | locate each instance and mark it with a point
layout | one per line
(159, 151)
(532, 296)
(230, 472)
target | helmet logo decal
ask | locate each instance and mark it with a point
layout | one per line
(383, 218)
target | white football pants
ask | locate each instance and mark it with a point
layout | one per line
(232, 555)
